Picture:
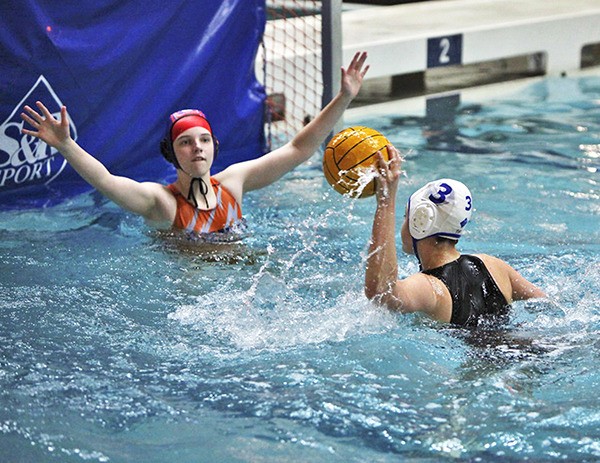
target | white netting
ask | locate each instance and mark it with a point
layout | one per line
(290, 67)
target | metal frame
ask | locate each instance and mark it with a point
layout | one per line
(331, 43)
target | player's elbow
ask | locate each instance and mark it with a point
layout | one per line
(371, 292)
(539, 293)
(530, 293)
(374, 287)
(523, 290)
(381, 296)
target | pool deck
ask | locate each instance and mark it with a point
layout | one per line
(416, 105)
(475, 42)
(409, 38)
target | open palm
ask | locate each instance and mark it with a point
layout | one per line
(54, 132)
(352, 77)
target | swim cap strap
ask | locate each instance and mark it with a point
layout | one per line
(202, 186)
(414, 243)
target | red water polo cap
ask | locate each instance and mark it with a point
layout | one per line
(186, 119)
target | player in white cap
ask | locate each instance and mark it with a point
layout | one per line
(451, 287)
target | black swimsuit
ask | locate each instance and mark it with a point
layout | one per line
(475, 294)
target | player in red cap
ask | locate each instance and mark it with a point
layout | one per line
(196, 202)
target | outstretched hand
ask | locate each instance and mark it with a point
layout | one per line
(352, 77)
(54, 132)
(388, 174)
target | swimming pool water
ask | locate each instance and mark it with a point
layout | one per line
(119, 344)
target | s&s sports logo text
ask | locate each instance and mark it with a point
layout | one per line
(25, 160)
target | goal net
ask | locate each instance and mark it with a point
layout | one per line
(290, 67)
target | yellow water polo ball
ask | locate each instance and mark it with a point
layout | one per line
(349, 157)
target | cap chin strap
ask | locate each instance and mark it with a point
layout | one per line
(414, 240)
(202, 186)
(414, 243)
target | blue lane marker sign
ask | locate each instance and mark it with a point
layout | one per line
(444, 51)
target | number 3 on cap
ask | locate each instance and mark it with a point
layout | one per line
(440, 196)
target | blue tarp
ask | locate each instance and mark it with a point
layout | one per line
(121, 67)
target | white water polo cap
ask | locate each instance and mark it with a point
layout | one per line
(441, 208)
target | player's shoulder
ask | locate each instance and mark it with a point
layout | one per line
(490, 260)
(495, 265)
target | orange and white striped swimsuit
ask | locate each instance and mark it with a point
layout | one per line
(226, 213)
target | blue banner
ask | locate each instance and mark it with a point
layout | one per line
(121, 67)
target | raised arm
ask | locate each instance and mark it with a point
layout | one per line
(382, 262)
(414, 293)
(263, 171)
(146, 199)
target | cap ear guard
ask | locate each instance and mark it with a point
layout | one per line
(166, 149)
(422, 220)
(216, 145)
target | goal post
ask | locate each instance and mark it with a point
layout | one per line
(331, 13)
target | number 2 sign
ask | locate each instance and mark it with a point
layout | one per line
(444, 51)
